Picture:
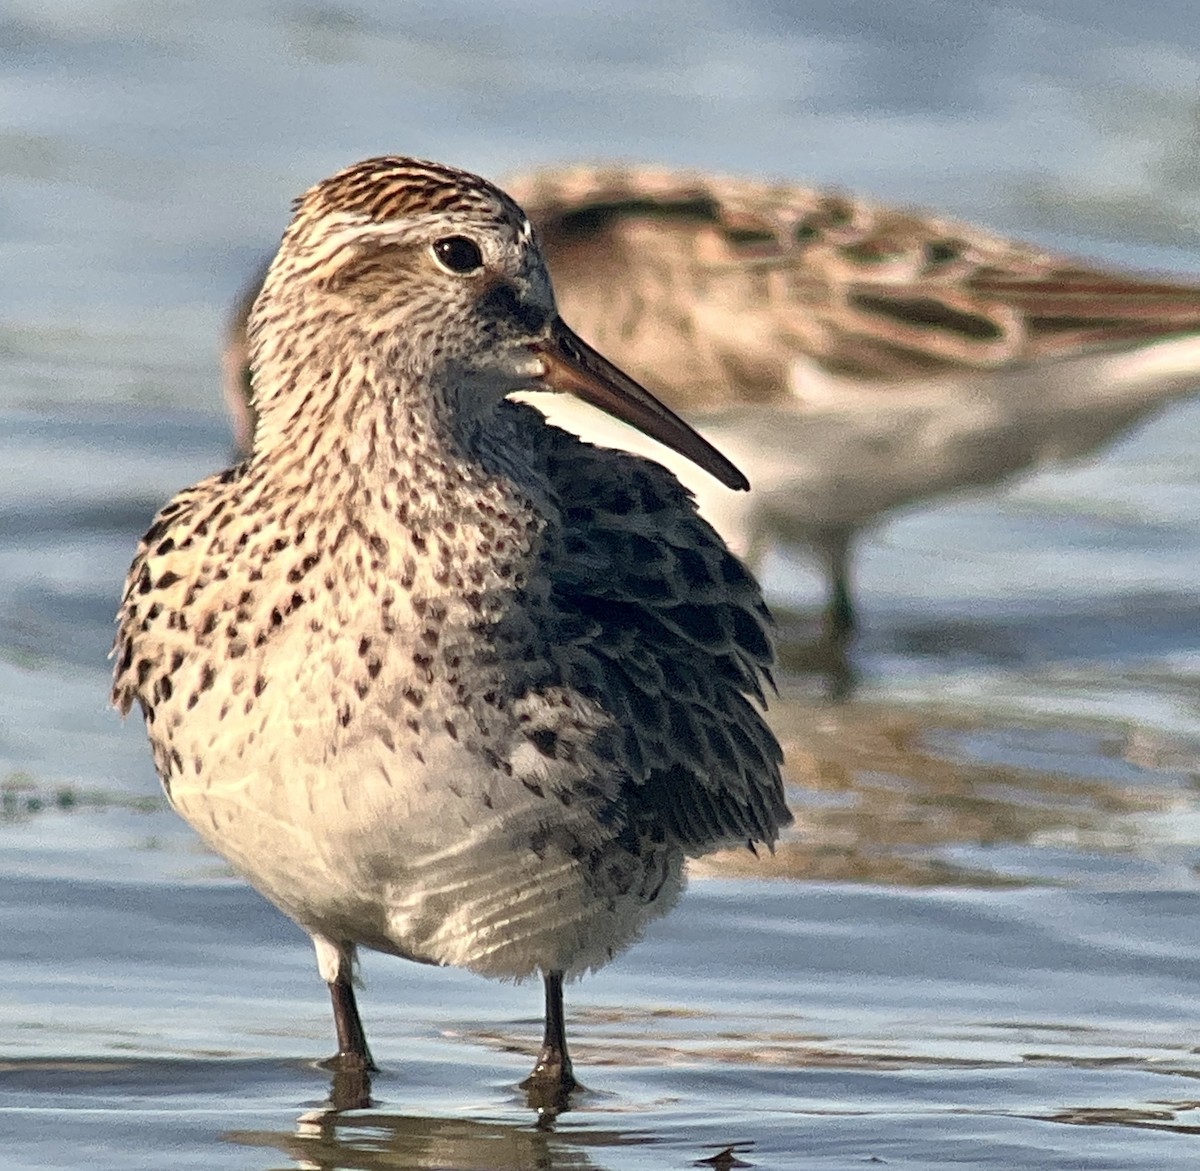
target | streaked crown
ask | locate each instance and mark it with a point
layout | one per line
(389, 188)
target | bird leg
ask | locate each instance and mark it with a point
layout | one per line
(351, 1066)
(352, 1039)
(839, 615)
(552, 1080)
(336, 964)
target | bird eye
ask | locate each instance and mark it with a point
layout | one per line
(458, 254)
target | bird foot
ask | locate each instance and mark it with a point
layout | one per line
(549, 1087)
(350, 1061)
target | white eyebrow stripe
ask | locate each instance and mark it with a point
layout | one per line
(352, 227)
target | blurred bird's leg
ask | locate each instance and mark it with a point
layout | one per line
(824, 650)
(839, 621)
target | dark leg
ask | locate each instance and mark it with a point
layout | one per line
(352, 1040)
(839, 624)
(839, 616)
(552, 1079)
(351, 1065)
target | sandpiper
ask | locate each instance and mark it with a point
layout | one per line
(436, 677)
(855, 357)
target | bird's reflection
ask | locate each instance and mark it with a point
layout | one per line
(349, 1089)
(326, 1139)
(350, 1131)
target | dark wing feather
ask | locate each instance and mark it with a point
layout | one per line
(672, 636)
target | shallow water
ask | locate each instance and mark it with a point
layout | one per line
(977, 947)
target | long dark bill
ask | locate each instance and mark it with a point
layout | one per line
(571, 365)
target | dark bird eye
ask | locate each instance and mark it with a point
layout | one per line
(458, 254)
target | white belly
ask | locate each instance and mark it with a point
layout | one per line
(423, 849)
